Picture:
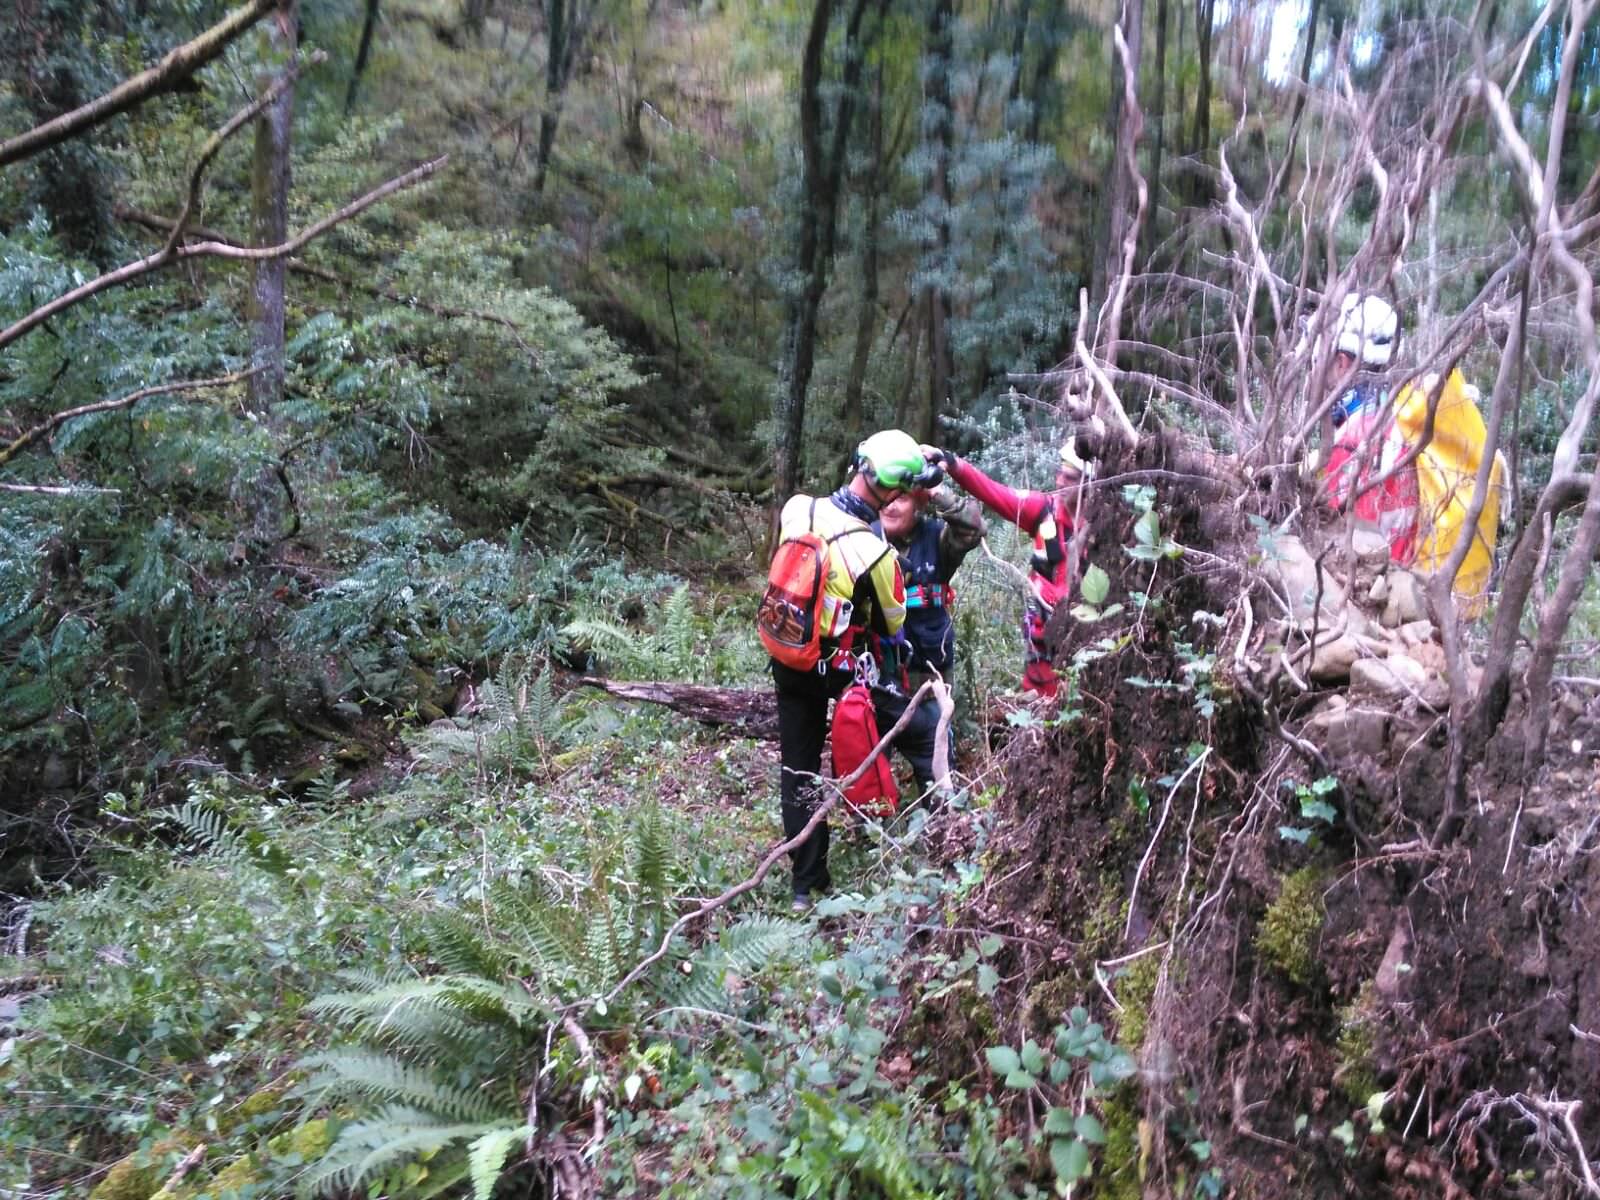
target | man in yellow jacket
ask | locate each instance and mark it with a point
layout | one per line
(863, 594)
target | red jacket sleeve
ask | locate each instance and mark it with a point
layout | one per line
(1023, 509)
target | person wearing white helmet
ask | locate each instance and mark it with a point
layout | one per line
(1365, 335)
(1368, 444)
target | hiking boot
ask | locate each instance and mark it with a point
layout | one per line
(803, 903)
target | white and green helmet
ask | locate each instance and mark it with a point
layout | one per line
(892, 459)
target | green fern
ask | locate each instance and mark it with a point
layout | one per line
(437, 1066)
(669, 650)
(520, 724)
(371, 1075)
(652, 862)
(240, 849)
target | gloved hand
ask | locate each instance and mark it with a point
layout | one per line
(937, 456)
(956, 508)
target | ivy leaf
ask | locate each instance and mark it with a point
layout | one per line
(1070, 1159)
(1291, 833)
(1058, 1120)
(1096, 586)
(1318, 810)
(1032, 1056)
(1088, 1127)
(1020, 1080)
(1003, 1060)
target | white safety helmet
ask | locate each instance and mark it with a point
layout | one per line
(1367, 330)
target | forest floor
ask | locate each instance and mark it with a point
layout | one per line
(1154, 948)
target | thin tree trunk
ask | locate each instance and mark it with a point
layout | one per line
(1200, 137)
(1158, 117)
(557, 18)
(1019, 31)
(363, 50)
(822, 168)
(939, 134)
(269, 195)
(908, 386)
(851, 414)
(1114, 223)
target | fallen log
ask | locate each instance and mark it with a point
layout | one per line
(754, 711)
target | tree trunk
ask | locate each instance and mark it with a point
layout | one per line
(1158, 119)
(938, 134)
(1200, 136)
(851, 414)
(558, 14)
(821, 171)
(1117, 202)
(754, 711)
(269, 197)
(363, 50)
(473, 17)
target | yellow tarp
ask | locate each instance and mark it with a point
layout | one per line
(1446, 473)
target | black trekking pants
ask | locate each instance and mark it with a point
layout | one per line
(803, 698)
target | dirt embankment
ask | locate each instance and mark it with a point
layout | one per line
(1325, 1002)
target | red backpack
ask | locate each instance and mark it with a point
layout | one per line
(793, 609)
(855, 733)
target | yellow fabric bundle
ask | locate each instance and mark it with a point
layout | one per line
(1446, 473)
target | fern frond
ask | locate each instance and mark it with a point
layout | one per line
(455, 942)
(205, 825)
(620, 638)
(540, 717)
(483, 999)
(376, 1076)
(487, 1158)
(678, 634)
(392, 1134)
(700, 987)
(652, 855)
(756, 941)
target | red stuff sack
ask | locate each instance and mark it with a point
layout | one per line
(855, 733)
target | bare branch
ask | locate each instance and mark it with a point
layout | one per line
(59, 419)
(163, 257)
(44, 489)
(160, 224)
(179, 63)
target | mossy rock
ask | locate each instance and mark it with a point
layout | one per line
(1049, 1000)
(353, 753)
(261, 1101)
(1288, 934)
(139, 1176)
(308, 1142)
